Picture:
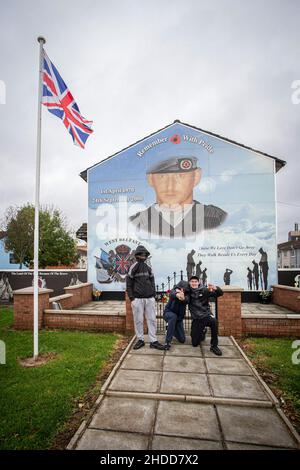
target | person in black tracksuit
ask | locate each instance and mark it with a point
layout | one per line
(174, 313)
(201, 313)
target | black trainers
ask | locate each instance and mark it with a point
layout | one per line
(157, 345)
(167, 346)
(139, 344)
(217, 351)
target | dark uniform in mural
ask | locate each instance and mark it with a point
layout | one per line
(190, 264)
(249, 278)
(255, 272)
(198, 269)
(264, 268)
(176, 213)
(203, 280)
(226, 276)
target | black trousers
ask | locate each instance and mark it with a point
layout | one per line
(198, 329)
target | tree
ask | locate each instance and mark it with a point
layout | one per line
(19, 228)
(56, 245)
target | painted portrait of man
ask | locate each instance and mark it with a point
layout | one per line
(175, 213)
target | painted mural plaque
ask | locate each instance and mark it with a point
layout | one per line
(200, 204)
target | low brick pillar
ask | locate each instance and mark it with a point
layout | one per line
(23, 307)
(87, 293)
(230, 311)
(286, 296)
(82, 293)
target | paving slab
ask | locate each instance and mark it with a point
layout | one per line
(136, 381)
(223, 341)
(160, 338)
(184, 364)
(228, 351)
(237, 386)
(184, 350)
(147, 350)
(180, 443)
(255, 308)
(228, 366)
(188, 341)
(262, 426)
(143, 362)
(94, 439)
(198, 421)
(185, 384)
(125, 414)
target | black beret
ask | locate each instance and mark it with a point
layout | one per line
(174, 165)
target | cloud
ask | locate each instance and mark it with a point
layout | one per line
(227, 175)
(207, 185)
(250, 219)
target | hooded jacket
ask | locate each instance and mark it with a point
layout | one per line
(175, 305)
(199, 301)
(140, 281)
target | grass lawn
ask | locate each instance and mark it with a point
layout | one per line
(36, 402)
(273, 359)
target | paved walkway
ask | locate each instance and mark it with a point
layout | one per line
(104, 306)
(272, 309)
(185, 398)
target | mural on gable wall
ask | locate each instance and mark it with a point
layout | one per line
(199, 204)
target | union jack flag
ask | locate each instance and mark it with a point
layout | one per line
(60, 102)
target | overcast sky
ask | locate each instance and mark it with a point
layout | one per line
(226, 66)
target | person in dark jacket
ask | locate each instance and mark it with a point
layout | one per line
(174, 313)
(249, 278)
(140, 286)
(201, 313)
(226, 276)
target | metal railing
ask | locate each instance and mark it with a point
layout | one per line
(171, 281)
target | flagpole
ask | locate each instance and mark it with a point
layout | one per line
(41, 42)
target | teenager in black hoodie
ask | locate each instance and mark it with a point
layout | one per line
(174, 313)
(201, 313)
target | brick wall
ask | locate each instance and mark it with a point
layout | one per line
(229, 312)
(271, 327)
(66, 301)
(23, 307)
(129, 315)
(286, 296)
(83, 321)
(231, 321)
(82, 293)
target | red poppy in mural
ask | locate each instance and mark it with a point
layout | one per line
(175, 139)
